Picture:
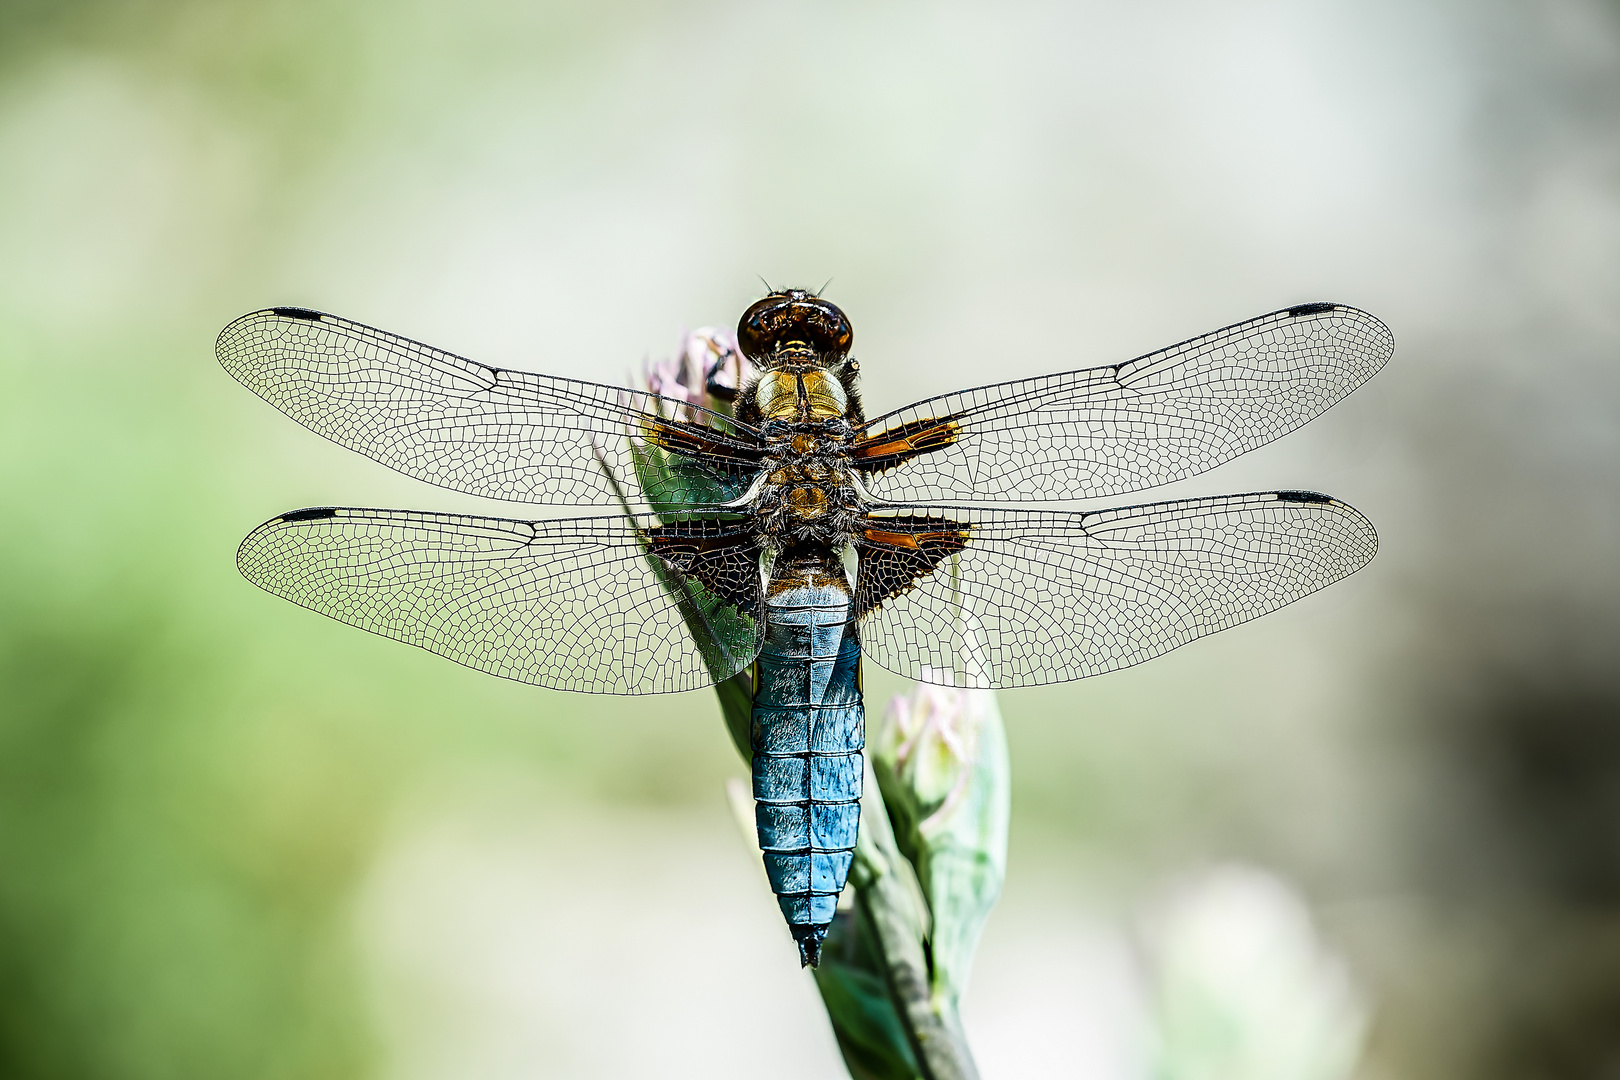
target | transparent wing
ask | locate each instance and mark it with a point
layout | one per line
(1026, 597)
(579, 604)
(1107, 430)
(484, 430)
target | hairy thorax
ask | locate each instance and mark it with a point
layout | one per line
(809, 493)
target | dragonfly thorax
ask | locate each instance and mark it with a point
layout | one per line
(808, 493)
(800, 393)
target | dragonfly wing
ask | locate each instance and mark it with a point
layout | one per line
(1107, 430)
(589, 604)
(485, 430)
(1004, 598)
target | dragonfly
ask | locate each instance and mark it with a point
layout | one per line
(790, 536)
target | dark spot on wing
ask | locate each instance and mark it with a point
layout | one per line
(1303, 497)
(297, 313)
(722, 556)
(1310, 309)
(314, 513)
(898, 552)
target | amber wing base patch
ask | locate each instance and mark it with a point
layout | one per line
(885, 449)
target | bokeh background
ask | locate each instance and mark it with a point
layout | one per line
(240, 841)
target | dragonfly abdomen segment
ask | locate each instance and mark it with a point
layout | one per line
(808, 733)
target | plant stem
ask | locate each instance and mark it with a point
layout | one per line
(888, 896)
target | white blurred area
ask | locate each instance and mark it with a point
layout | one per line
(508, 935)
(1243, 988)
(506, 938)
(995, 191)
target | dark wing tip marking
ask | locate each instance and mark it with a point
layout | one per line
(314, 513)
(1311, 309)
(231, 349)
(1303, 497)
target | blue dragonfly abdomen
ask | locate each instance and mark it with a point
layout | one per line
(808, 733)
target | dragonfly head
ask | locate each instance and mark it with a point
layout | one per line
(794, 324)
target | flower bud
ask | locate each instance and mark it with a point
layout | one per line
(703, 374)
(940, 757)
(707, 371)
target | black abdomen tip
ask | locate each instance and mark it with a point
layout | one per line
(809, 939)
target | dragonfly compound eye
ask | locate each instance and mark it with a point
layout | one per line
(794, 317)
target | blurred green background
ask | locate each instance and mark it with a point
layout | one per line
(238, 840)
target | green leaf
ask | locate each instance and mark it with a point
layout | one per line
(684, 482)
(855, 989)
